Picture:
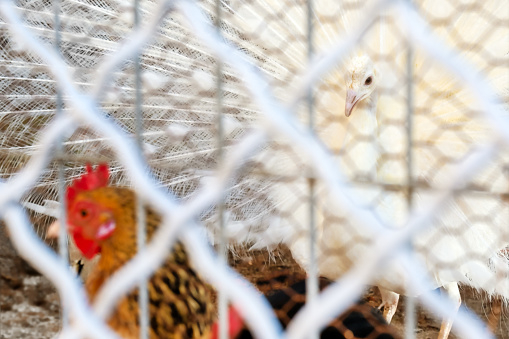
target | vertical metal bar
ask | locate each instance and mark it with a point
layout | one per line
(62, 236)
(410, 307)
(143, 288)
(312, 279)
(381, 32)
(410, 114)
(223, 255)
(140, 209)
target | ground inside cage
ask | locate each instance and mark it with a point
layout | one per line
(29, 305)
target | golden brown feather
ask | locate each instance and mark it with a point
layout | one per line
(180, 303)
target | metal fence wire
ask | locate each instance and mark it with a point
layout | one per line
(366, 140)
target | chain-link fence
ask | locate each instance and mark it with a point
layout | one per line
(368, 137)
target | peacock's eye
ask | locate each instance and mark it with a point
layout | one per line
(368, 81)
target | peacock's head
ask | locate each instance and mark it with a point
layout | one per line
(361, 80)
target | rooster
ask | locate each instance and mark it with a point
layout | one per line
(102, 219)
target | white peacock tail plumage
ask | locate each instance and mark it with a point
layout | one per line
(266, 204)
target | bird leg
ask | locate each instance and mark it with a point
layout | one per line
(389, 303)
(453, 291)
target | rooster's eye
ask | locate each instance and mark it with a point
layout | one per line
(83, 213)
(368, 81)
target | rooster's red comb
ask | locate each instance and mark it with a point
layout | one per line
(90, 180)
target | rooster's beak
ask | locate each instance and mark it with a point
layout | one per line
(351, 99)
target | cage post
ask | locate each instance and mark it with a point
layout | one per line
(140, 210)
(223, 255)
(312, 279)
(410, 306)
(62, 235)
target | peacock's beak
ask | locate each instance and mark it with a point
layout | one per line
(351, 99)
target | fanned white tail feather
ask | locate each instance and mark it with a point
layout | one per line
(267, 203)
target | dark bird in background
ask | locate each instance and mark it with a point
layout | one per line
(359, 321)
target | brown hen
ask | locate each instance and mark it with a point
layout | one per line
(102, 219)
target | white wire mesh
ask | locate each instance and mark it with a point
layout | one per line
(459, 182)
